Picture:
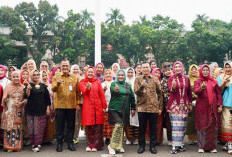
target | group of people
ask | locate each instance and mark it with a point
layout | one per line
(114, 105)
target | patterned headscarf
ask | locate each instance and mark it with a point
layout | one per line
(99, 76)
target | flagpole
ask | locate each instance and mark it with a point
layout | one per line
(97, 32)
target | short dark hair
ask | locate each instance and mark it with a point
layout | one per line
(136, 66)
(153, 61)
(145, 63)
(65, 60)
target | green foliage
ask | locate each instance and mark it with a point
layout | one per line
(40, 20)
(210, 39)
(9, 54)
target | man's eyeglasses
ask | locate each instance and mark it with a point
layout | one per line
(36, 74)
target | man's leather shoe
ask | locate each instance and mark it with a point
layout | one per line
(153, 150)
(71, 147)
(141, 150)
(59, 148)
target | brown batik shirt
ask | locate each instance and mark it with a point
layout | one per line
(149, 98)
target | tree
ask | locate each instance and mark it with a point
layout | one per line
(115, 17)
(10, 54)
(39, 20)
(86, 19)
(143, 21)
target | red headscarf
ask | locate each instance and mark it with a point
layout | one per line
(21, 76)
(53, 74)
(4, 69)
(154, 71)
(209, 81)
(86, 79)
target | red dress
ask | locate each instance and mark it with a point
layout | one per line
(203, 110)
(93, 104)
(1, 110)
(92, 111)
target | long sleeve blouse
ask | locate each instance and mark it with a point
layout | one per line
(38, 100)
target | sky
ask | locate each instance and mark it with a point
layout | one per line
(184, 11)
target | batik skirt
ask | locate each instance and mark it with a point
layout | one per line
(107, 128)
(94, 135)
(226, 124)
(50, 129)
(190, 126)
(178, 129)
(36, 127)
(207, 138)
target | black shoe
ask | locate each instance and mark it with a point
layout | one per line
(71, 147)
(107, 141)
(181, 149)
(59, 148)
(141, 149)
(153, 150)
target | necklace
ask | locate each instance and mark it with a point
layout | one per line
(180, 92)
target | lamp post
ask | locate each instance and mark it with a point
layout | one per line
(97, 32)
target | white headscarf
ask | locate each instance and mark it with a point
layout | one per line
(73, 66)
(41, 77)
(132, 80)
(114, 74)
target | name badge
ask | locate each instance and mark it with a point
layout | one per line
(70, 88)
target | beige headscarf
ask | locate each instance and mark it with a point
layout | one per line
(225, 76)
(31, 60)
(217, 72)
(12, 88)
(31, 75)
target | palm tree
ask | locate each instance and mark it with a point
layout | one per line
(86, 19)
(115, 17)
(143, 21)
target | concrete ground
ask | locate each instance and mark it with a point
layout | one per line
(131, 151)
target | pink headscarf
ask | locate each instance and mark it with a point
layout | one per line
(53, 74)
(154, 71)
(182, 72)
(2, 66)
(96, 69)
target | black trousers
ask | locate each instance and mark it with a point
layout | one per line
(152, 119)
(62, 116)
